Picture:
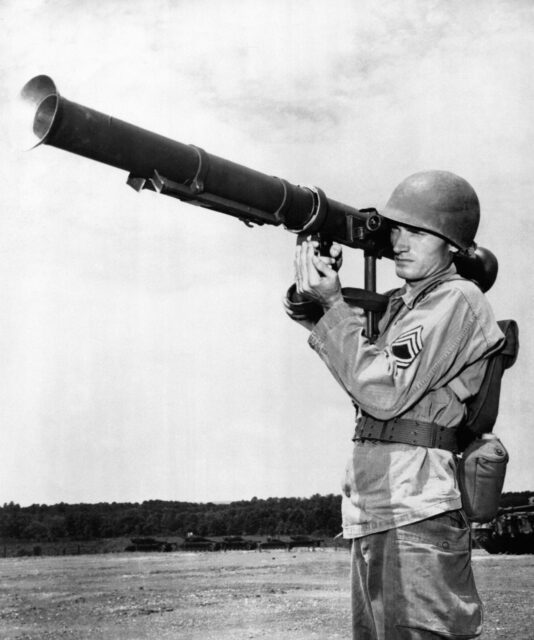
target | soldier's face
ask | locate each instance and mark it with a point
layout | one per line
(418, 254)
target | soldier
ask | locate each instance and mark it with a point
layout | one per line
(411, 569)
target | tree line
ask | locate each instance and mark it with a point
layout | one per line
(317, 515)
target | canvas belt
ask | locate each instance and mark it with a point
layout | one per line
(415, 432)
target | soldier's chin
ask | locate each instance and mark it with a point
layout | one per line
(408, 273)
(403, 271)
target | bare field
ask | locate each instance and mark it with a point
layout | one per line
(235, 595)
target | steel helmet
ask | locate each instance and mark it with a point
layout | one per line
(439, 202)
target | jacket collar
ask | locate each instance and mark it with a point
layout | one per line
(410, 295)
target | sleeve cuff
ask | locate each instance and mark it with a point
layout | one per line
(301, 310)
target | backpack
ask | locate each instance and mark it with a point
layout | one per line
(483, 407)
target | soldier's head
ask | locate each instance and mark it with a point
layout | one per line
(433, 214)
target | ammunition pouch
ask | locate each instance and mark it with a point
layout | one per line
(481, 471)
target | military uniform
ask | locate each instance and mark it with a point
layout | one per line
(401, 505)
(411, 569)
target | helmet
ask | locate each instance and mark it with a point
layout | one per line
(439, 202)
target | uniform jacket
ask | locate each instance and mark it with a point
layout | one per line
(430, 356)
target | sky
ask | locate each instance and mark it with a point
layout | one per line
(145, 351)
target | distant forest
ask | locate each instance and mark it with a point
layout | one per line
(318, 515)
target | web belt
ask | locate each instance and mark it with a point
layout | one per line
(422, 434)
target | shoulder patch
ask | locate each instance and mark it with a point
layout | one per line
(406, 347)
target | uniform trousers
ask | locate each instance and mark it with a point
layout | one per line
(415, 582)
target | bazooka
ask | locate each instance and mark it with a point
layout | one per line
(192, 175)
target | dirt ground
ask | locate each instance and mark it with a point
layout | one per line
(235, 595)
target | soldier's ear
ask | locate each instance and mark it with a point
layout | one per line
(453, 249)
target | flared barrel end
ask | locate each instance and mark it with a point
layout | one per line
(38, 88)
(37, 107)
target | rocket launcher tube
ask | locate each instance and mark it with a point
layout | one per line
(195, 176)
(185, 171)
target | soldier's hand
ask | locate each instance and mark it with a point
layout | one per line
(335, 259)
(336, 256)
(315, 276)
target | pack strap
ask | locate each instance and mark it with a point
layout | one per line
(415, 432)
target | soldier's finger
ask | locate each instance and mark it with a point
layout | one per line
(313, 274)
(303, 264)
(335, 250)
(297, 267)
(296, 259)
